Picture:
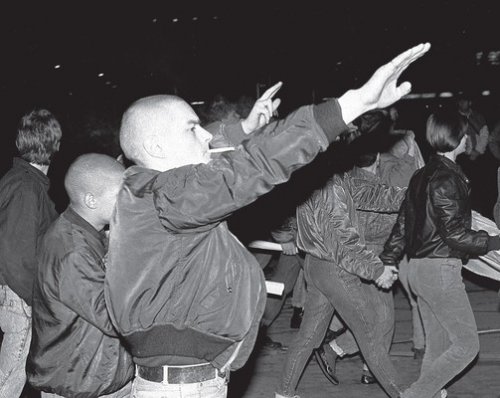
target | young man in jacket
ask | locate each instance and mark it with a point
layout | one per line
(26, 211)
(183, 292)
(75, 352)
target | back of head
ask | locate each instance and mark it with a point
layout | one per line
(445, 129)
(144, 118)
(94, 174)
(38, 137)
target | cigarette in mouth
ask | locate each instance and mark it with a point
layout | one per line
(223, 149)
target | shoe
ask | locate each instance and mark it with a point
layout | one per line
(327, 360)
(368, 378)
(330, 334)
(418, 353)
(268, 343)
(296, 320)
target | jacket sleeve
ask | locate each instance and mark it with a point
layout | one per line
(22, 221)
(447, 205)
(229, 135)
(81, 288)
(380, 198)
(196, 197)
(394, 247)
(342, 239)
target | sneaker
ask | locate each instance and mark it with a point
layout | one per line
(327, 360)
(367, 377)
(270, 344)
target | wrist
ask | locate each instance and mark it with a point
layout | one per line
(246, 128)
(352, 105)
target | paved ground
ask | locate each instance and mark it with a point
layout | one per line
(482, 379)
(259, 377)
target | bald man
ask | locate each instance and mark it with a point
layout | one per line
(75, 352)
(183, 292)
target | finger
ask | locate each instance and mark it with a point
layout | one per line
(276, 104)
(410, 55)
(271, 91)
(262, 120)
(404, 89)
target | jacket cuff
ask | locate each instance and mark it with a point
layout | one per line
(494, 243)
(329, 116)
(234, 133)
(378, 273)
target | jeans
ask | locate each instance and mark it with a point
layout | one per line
(299, 291)
(15, 322)
(286, 271)
(418, 329)
(385, 323)
(123, 392)
(329, 288)
(450, 328)
(215, 388)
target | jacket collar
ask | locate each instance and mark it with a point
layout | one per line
(449, 164)
(73, 217)
(24, 166)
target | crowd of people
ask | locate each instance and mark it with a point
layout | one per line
(142, 288)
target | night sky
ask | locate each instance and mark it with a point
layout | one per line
(53, 55)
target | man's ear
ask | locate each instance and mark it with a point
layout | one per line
(90, 200)
(152, 146)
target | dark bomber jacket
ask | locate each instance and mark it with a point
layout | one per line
(329, 226)
(75, 351)
(26, 212)
(435, 217)
(179, 285)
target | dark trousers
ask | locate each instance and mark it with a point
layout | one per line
(329, 287)
(286, 271)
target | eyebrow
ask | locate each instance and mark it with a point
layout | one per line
(193, 121)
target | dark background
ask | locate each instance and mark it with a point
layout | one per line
(319, 49)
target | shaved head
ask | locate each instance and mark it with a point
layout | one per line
(92, 173)
(144, 118)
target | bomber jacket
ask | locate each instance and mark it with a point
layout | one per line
(435, 217)
(26, 211)
(179, 285)
(329, 227)
(75, 350)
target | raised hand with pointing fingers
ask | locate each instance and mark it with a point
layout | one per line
(263, 110)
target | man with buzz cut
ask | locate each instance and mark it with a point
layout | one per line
(26, 211)
(183, 292)
(76, 352)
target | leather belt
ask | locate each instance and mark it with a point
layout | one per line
(179, 374)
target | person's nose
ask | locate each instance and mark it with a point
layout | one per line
(204, 135)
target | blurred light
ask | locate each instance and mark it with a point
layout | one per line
(100, 74)
(486, 93)
(108, 83)
(215, 17)
(155, 20)
(195, 18)
(446, 94)
(420, 96)
(197, 102)
(114, 86)
(175, 20)
(57, 66)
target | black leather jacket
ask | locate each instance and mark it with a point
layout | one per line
(435, 217)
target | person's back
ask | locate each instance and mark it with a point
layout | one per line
(26, 211)
(75, 351)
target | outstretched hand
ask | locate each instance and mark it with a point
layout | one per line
(381, 90)
(263, 110)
